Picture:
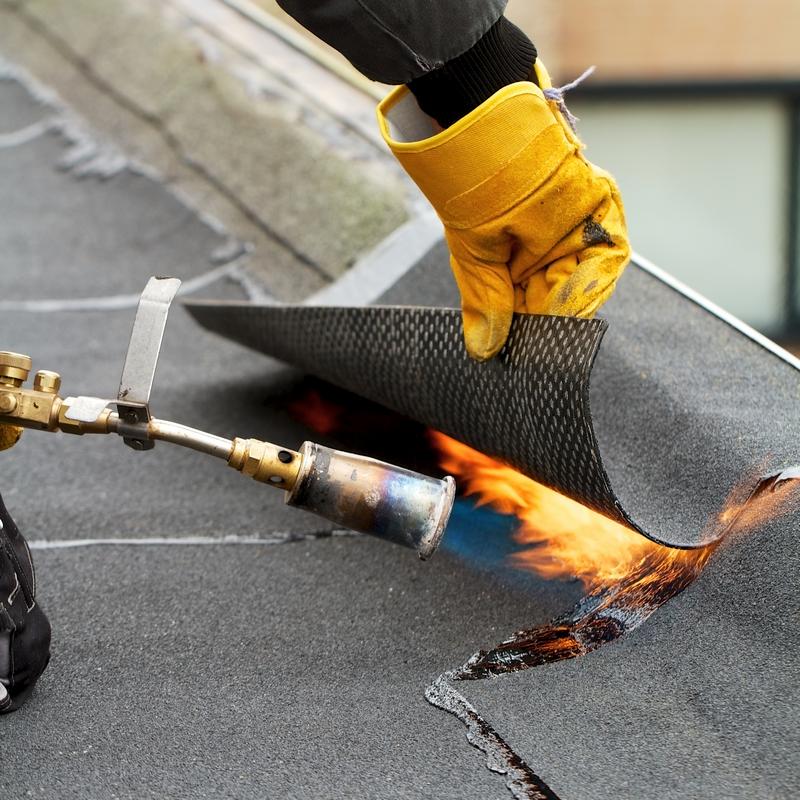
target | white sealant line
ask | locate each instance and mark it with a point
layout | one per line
(717, 311)
(184, 541)
(120, 301)
(252, 288)
(28, 133)
(84, 157)
(42, 94)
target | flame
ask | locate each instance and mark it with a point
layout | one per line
(627, 576)
(564, 538)
(316, 412)
(568, 540)
(773, 498)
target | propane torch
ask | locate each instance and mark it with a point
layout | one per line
(353, 491)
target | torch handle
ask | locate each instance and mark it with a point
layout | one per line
(351, 491)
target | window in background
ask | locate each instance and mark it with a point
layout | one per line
(706, 184)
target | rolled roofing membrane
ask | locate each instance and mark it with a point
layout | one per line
(651, 414)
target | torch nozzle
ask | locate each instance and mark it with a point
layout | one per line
(373, 497)
(353, 491)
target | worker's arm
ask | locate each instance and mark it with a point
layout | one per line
(532, 226)
(395, 41)
(24, 628)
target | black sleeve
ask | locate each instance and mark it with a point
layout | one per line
(396, 41)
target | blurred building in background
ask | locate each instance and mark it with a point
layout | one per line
(695, 107)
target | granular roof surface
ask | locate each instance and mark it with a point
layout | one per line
(296, 666)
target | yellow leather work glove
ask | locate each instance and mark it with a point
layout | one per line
(531, 225)
(9, 436)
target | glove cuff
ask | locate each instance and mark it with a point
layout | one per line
(515, 140)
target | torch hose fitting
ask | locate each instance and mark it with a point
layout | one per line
(266, 462)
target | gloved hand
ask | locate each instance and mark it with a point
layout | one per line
(532, 226)
(24, 628)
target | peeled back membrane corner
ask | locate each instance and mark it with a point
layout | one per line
(683, 408)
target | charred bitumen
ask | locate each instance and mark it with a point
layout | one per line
(599, 618)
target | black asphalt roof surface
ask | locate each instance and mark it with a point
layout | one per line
(296, 667)
(287, 669)
(704, 702)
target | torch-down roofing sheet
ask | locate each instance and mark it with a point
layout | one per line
(671, 419)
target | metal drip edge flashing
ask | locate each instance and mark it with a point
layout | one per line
(712, 308)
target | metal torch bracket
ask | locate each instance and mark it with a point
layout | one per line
(133, 399)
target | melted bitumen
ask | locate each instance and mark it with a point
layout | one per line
(599, 618)
(521, 780)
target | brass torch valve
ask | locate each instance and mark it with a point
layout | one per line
(351, 490)
(37, 406)
(40, 407)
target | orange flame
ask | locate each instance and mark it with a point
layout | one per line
(770, 501)
(569, 540)
(566, 539)
(316, 412)
(628, 577)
